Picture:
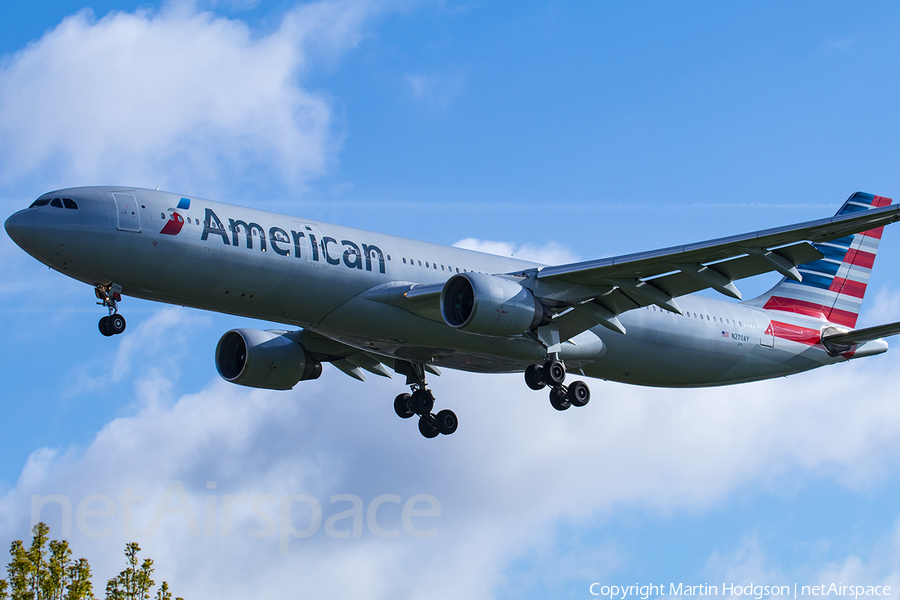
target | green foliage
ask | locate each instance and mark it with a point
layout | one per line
(134, 582)
(46, 571)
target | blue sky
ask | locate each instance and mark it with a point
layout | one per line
(565, 130)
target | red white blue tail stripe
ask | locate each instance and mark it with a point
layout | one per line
(833, 286)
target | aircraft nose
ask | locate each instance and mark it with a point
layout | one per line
(19, 225)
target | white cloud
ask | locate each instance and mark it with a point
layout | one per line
(884, 308)
(876, 563)
(173, 97)
(163, 335)
(187, 96)
(435, 90)
(748, 563)
(505, 480)
(551, 253)
(233, 4)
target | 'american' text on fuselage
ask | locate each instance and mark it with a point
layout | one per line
(353, 254)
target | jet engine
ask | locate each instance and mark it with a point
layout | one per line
(264, 359)
(490, 305)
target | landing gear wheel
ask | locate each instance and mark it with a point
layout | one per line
(402, 406)
(533, 377)
(428, 426)
(447, 421)
(103, 325)
(553, 372)
(579, 393)
(422, 402)
(558, 399)
(116, 323)
(109, 296)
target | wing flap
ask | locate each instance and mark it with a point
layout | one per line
(685, 282)
(348, 359)
(617, 302)
(365, 361)
(867, 334)
(585, 316)
(350, 369)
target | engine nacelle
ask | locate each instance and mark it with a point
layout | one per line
(264, 359)
(490, 305)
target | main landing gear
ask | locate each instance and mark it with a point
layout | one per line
(553, 373)
(421, 402)
(109, 296)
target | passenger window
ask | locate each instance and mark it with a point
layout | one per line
(420, 263)
(69, 203)
(404, 261)
(56, 202)
(435, 266)
(457, 269)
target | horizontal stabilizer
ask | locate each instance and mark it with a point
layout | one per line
(867, 334)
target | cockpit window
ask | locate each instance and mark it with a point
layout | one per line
(57, 202)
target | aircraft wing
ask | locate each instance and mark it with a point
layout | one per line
(601, 289)
(351, 361)
(859, 336)
(348, 359)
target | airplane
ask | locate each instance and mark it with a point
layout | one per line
(365, 301)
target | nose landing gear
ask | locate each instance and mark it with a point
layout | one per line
(109, 296)
(421, 402)
(553, 373)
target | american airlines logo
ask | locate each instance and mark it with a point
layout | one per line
(299, 244)
(176, 221)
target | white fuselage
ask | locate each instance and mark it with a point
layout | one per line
(317, 276)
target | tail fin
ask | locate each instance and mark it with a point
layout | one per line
(833, 287)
